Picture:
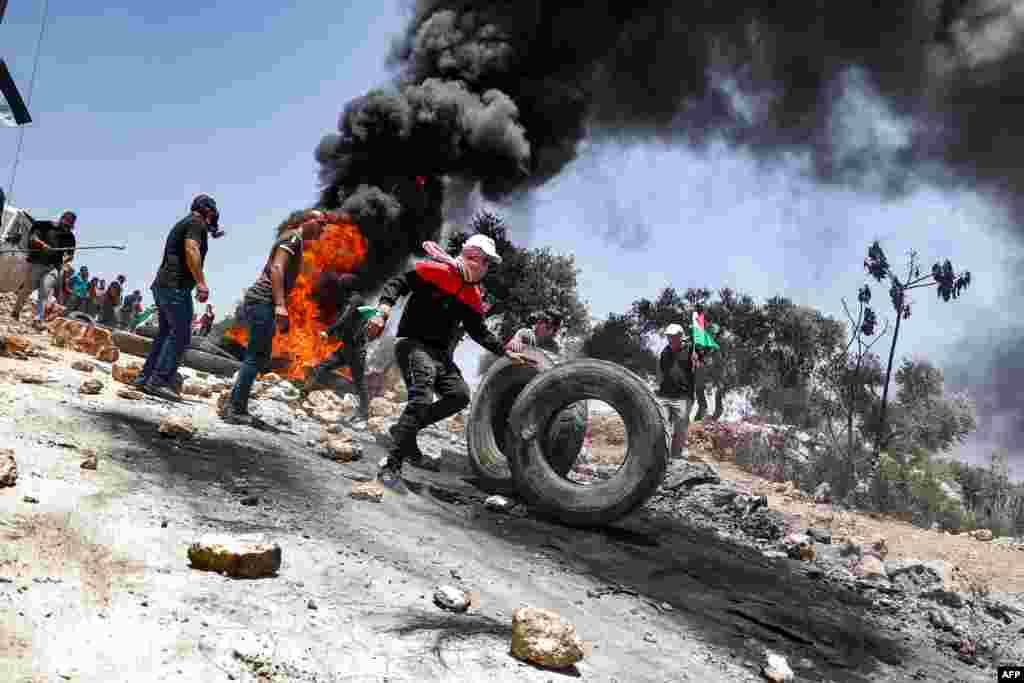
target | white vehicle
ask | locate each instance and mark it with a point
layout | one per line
(15, 224)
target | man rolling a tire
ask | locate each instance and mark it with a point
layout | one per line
(445, 293)
(675, 388)
(351, 328)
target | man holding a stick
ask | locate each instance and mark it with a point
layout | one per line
(51, 250)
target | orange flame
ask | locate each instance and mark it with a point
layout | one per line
(340, 249)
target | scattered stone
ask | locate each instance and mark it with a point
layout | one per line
(377, 425)
(918, 575)
(823, 536)
(942, 620)
(249, 501)
(194, 388)
(799, 547)
(83, 366)
(341, 449)
(130, 394)
(108, 354)
(372, 491)
(498, 504)
(174, 426)
(451, 599)
(879, 548)
(283, 392)
(765, 524)
(270, 378)
(776, 668)
(8, 468)
(381, 407)
(851, 549)
(90, 387)
(870, 567)
(125, 373)
(30, 499)
(90, 460)
(27, 376)
(948, 598)
(311, 604)
(542, 637)
(982, 535)
(689, 474)
(16, 346)
(823, 493)
(235, 557)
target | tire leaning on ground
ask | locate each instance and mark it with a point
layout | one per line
(646, 457)
(488, 418)
(138, 345)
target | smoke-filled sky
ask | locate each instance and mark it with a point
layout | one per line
(582, 119)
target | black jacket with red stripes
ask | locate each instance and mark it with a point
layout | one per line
(440, 300)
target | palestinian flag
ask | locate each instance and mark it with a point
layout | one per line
(700, 335)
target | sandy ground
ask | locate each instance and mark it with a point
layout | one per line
(978, 564)
(95, 583)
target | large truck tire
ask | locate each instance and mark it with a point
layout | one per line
(597, 504)
(488, 418)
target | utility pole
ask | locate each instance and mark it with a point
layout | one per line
(13, 113)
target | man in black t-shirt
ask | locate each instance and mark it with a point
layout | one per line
(181, 271)
(52, 246)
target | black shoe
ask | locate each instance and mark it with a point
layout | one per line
(233, 416)
(390, 472)
(161, 392)
(411, 452)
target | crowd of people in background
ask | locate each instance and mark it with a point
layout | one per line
(62, 290)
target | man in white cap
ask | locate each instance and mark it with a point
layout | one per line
(445, 296)
(675, 388)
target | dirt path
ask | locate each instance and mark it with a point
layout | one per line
(95, 585)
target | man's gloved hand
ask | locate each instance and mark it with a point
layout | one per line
(515, 346)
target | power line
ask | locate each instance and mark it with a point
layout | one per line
(28, 99)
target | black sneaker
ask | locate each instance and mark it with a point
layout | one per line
(233, 416)
(161, 392)
(418, 458)
(390, 472)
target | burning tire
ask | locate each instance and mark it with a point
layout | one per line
(488, 418)
(549, 493)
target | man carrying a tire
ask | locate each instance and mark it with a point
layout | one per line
(445, 293)
(676, 388)
(351, 328)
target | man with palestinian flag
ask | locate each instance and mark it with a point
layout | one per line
(677, 379)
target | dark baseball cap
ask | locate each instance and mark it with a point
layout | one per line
(203, 201)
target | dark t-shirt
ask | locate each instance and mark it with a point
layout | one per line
(262, 290)
(676, 373)
(55, 235)
(174, 271)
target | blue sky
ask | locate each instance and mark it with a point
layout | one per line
(137, 110)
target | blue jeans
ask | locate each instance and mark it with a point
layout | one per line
(262, 325)
(172, 338)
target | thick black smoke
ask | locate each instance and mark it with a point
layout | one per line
(499, 95)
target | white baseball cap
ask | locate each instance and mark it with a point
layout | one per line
(484, 244)
(673, 330)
